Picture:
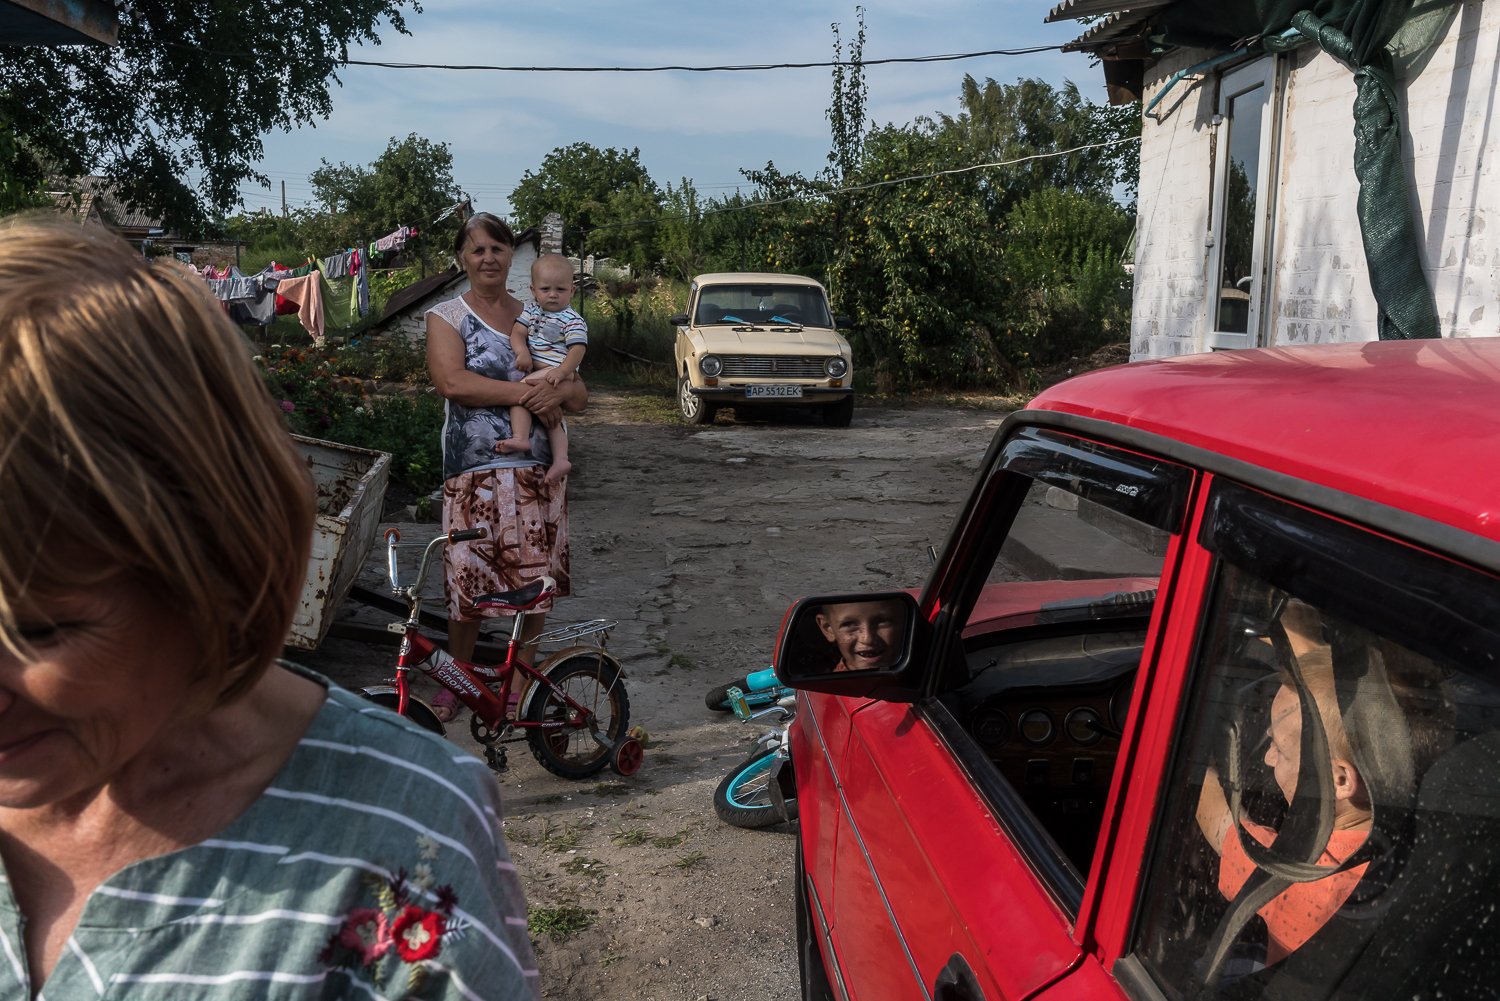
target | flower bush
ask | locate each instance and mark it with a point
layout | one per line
(322, 394)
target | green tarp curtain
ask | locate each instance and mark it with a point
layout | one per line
(1356, 32)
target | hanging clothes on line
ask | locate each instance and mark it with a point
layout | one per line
(394, 240)
(247, 298)
(306, 291)
(362, 285)
(337, 266)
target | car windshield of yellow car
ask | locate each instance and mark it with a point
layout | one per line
(777, 305)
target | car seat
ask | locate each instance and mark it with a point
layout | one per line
(709, 312)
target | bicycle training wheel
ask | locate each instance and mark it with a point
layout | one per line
(744, 796)
(717, 698)
(572, 751)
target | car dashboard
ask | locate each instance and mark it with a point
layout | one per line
(1048, 710)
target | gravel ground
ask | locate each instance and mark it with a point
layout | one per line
(696, 540)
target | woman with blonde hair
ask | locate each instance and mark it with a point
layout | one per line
(180, 815)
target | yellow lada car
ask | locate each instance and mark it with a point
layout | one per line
(753, 339)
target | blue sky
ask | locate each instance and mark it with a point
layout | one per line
(703, 126)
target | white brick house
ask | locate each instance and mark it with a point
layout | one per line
(1289, 267)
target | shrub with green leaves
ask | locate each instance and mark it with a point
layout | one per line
(321, 399)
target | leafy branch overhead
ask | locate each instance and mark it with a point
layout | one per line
(174, 113)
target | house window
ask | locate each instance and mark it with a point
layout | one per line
(1241, 233)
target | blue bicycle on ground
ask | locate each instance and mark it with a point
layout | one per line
(760, 689)
(750, 795)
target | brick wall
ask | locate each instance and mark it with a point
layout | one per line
(1318, 288)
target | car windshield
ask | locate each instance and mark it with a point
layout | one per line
(773, 305)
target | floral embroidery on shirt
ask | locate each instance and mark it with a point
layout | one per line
(401, 925)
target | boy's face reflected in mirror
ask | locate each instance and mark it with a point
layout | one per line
(868, 634)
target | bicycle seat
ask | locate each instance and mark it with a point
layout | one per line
(520, 599)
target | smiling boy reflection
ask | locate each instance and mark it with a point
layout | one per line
(867, 634)
(1297, 912)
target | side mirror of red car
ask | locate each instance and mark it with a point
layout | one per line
(863, 645)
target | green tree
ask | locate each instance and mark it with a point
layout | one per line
(188, 91)
(1067, 291)
(407, 185)
(22, 182)
(733, 237)
(1008, 122)
(627, 228)
(579, 181)
(683, 237)
(919, 269)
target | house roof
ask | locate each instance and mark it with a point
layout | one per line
(95, 194)
(1410, 425)
(1128, 22)
(418, 290)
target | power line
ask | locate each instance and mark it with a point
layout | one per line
(744, 68)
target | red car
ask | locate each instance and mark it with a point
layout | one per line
(1201, 700)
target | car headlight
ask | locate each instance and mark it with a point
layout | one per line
(710, 365)
(836, 368)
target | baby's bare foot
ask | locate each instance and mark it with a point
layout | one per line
(559, 470)
(513, 445)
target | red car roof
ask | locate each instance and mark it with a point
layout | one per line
(1414, 425)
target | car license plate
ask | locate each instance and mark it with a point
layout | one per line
(757, 392)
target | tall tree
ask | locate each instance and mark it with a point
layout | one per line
(579, 182)
(186, 93)
(1009, 122)
(407, 185)
(919, 269)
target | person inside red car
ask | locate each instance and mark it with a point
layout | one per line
(1293, 915)
(867, 634)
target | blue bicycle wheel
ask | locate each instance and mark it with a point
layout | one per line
(743, 797)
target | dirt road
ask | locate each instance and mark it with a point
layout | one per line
(696, 540)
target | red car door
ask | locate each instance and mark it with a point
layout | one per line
(946, 840)
(921, 866)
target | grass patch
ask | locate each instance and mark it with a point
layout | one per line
(610, 959)
(630, 837)
(690, 861)
(649, 407)
(680, 662)
(560, 839)
(550, 799)
(610, 789)
(561, 921)
(669, 840)
(521, 836)
(578, 864)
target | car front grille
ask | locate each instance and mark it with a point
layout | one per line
(772, 367)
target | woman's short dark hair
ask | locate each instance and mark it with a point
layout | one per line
(492, 225)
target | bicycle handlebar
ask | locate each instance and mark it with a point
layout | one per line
(393, 536)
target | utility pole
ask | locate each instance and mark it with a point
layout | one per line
(283, 198)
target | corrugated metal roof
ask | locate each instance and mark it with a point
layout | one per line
(1113, 30)
(1126, 20)
(1070, 10)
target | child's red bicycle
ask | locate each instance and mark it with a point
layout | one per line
(571, 708)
